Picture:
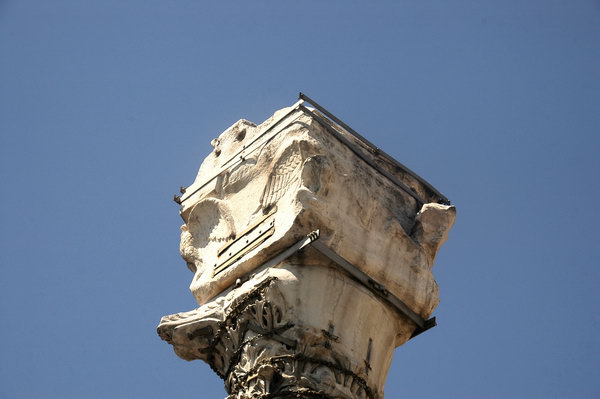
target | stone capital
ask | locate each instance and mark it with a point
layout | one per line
(312, 253)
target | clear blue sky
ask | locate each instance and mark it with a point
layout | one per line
(107, 107)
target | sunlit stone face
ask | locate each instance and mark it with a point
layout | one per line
(241, 199)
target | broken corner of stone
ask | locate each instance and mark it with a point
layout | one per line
(312, 255)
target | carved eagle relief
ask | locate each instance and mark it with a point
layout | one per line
(284, 175)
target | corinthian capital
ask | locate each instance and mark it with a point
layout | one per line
(312, 253)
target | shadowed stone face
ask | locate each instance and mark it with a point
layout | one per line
(266, 317)
(209, 225)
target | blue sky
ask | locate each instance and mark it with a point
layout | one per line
(107, 107)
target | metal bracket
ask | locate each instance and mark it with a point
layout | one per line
(257, 240)
(376, 288)
(312, 239)
(244, 233)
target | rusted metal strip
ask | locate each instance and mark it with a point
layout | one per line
(255, 243)
(245, 232)
(375, 287)
(277, 259)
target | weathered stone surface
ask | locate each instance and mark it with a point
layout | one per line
(297, 325)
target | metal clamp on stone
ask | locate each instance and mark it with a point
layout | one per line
(285, 314)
